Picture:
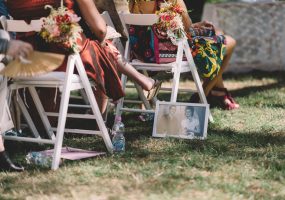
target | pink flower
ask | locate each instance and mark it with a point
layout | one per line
(177, 9)
(166, 17)
(55, 31)
(74, 18)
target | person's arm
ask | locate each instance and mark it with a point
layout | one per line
(187, 22)
(93, 18)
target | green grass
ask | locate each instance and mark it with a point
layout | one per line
(242, 158)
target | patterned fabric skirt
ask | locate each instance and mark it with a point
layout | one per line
(208, 52)
(208, 55)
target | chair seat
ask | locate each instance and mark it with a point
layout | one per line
(159, 67)
(51, 76)
(51, 79)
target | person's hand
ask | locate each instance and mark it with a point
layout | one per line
(17, 49)
(204, 24)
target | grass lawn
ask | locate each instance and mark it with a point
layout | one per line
(242, 158)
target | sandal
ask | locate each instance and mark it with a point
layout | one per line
(228, 95)
(225, 101)
(154, 90)
(228, 105)
(232, 100)
(220, 102)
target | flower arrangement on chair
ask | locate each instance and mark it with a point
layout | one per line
(61, 26)
(170, 21)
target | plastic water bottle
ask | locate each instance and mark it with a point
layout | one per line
(39, 158)
(118, 131)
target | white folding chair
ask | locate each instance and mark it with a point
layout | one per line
(65, 82)
(177, 67)
(116, 41)
(6, 121)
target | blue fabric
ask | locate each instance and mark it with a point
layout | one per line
(3, 9)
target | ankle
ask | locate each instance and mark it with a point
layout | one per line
(217, 93)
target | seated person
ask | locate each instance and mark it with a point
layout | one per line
(101, 59)
(14, 49)
(211, 62)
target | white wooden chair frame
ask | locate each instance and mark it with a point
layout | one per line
(66, 82)
(116, 41)
(177, 67)
(6, 122)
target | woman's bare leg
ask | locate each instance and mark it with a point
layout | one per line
(218, 80)
(101, 99)
(145, 82)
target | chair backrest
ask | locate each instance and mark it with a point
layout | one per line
(138, 19)
(116, 41)
(20, 25)
(107, 19)
(135, 19)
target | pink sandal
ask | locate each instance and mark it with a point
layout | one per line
(226, 101)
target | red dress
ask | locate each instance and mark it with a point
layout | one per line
(100, 63)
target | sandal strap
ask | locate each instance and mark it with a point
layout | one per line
(154, 90)
(221, 90)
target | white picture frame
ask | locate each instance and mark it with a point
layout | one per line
(181, 120)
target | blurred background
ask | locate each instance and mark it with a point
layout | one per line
(256, 25)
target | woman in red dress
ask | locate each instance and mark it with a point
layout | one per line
(100, 59)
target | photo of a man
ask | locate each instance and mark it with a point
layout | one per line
(167, 122)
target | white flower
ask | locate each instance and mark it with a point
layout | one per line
(165, 5)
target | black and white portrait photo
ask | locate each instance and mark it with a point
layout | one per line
(182, 120)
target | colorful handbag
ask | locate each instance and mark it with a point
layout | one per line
(164, 50)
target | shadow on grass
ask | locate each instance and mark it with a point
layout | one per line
(243, 92)
(222, 147)
(222, 143)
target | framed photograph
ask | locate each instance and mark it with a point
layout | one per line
(181, 120)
